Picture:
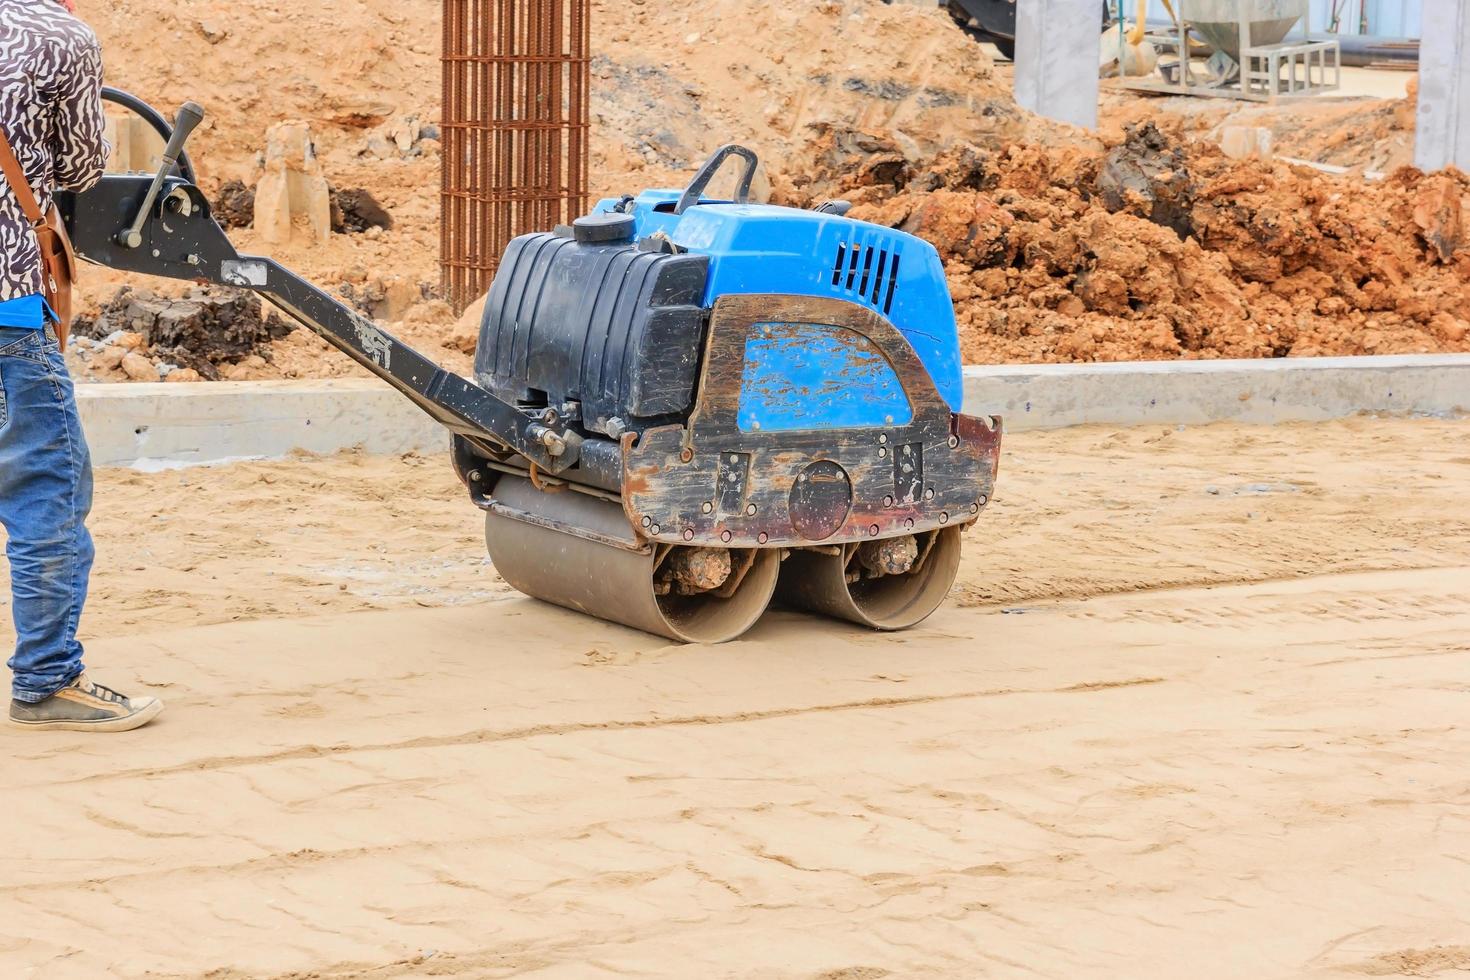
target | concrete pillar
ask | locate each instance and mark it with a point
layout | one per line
(136, 146)
(1442, 135)
(292, 199)
(1056, 59)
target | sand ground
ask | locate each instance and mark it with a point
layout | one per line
(1197, 709)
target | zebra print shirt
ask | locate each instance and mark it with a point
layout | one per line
(51, 108)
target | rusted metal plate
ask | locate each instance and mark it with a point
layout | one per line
(712, 483)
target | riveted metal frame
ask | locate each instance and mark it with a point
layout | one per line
(677, 484)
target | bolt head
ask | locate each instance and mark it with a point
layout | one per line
(726, 536)
(654, 528)
(888, 501)
(706, 507)
(984, 500)
(763, 537)
(647, 521)
(476, 476)
(882, 452)
(873, 530)
(686, 455)
(908, 522)
(689, 534)
(953, 442)
(882, 438)
(929, 494)
(944, 517)
(750, 511)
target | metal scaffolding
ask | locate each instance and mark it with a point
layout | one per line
(515, 130)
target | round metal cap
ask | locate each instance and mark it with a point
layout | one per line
(603, 228)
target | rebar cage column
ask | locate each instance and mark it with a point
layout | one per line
(514, 129)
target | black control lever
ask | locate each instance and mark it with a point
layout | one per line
(191, 114)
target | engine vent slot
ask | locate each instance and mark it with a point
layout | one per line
(868, 272)
(892, 282)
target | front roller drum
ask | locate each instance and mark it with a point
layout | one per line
(837, 582)
(579, 552)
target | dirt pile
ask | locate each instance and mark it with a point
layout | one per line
(785, 79)
(793, 81)
(1154, 249)
(1059, 246)
(1371, 135)
(205, 335)
(1146, 175)
(666, 89)
(1363, 134)
(234, 205)
(356, 210)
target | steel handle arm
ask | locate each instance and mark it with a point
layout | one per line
(458, 404)
(187, 243)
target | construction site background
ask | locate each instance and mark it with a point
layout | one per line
(1143, 240)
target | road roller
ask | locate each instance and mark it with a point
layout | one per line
(682, 408)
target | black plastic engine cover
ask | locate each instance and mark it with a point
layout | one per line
(606, 324)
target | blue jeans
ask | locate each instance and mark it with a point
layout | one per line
(45, 494)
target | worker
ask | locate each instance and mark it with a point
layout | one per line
(51, 113)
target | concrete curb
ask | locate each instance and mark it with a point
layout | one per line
(1051, 396)
(160, 425)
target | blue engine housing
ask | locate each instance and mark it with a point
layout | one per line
(608, 319)
(762, 248)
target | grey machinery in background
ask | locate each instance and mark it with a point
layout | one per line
(1251, 59)
(995, 21)
(1249, 56)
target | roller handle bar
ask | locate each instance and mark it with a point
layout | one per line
(184, 166)
(707, 171)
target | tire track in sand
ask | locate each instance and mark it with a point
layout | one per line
(491, 735)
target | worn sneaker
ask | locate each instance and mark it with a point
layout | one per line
(85, 707)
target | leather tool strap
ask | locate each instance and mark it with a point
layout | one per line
(20, 185)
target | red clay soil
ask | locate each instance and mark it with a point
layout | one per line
(1156, 249)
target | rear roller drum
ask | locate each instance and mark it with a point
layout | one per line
(576, 551)
(889, 584)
